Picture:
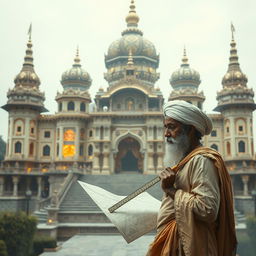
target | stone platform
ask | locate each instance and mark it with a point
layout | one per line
(102, 245)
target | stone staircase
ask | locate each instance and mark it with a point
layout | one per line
(41, 215)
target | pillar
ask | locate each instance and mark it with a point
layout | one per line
(96, 167)
(160, 162)
(15, 180)
(1, 186)
(105, 168)
(39, 185)
(245, 179)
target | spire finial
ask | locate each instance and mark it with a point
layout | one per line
(30, 31)
(232, 30)
(77, 58)
(184, 58)
(233, 59)
(132, 18)
(130, 58)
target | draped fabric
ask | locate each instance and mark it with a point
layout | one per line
(166, 242)
(189, 229)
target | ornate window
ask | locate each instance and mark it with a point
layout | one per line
(81, 150)
(240, 126)
(214, 146)
(68, 149)
(71, 106)
(17, 147)
(58, 149)
(18, 126)
(32, 127)
(82, 107)
(228, 148)
(31, 149)
(60, 106)
(91, 133)
(47, 134)
(129, 105)
(241, 146)
(90, 150)
(46, 150)
(214, 133)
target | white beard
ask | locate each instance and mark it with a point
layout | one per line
(176, 150)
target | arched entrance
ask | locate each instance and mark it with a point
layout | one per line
(129, 158)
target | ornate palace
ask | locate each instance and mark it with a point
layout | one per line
(122, 132)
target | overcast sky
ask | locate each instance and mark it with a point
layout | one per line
(203, 26)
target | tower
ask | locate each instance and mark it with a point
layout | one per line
(236, 104)
(185, 82)
(25, 103)
(128, 120)
(73, 115)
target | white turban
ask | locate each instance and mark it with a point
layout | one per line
(188, 114)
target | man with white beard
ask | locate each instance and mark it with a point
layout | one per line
(196, 217)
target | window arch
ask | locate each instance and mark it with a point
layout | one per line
(71, 106)
(46, 150)
(60, 106)
(31, 149)
(90, 150)
(228, 148)
(240, 126)
(82, 106)
(81, 150)
(17, 147)
(214, 146)
(241, 146)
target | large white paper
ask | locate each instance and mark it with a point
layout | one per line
(134, 219)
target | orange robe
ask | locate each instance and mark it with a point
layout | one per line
(200, 219)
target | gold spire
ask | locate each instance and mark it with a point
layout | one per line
(132, 18)
(27, 75)
(234, 75)
(184, 58)
(233, 59)
(232, 30)
(30, 31)
(77, 59)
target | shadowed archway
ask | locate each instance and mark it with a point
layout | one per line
(128, 158)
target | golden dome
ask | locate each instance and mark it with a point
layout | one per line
(185, 75)
(234, 75)
(76, 77)
(27, 76)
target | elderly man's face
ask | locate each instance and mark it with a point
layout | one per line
(172, 127)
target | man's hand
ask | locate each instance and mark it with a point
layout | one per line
(167, 179)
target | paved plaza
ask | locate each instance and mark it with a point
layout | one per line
(102, 245)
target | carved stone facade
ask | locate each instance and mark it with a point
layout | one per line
(123, 130)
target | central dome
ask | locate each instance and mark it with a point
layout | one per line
(132, 40)
(135, 42)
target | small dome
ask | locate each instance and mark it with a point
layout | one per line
(76, 77)
(185, 75)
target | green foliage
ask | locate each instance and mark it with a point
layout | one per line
(3, 249)
(41, 242)
(17, 230)
(2, 148)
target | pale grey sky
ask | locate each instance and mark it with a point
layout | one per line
(60, 25)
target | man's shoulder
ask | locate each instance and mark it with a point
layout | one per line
(200, 159)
